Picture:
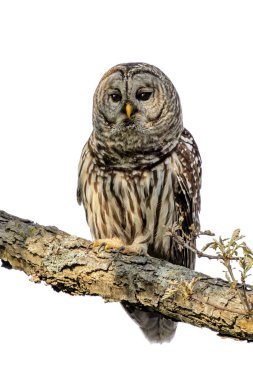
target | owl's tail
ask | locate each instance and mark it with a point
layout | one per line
(156, 328)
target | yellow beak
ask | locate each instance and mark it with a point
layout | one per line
(129, 110)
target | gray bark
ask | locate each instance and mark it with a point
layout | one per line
(68, 264)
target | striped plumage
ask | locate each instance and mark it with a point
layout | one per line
(139, 173)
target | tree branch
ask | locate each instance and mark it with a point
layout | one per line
(68, 264)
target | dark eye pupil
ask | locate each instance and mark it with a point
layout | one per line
(143, 95)
(116, 97)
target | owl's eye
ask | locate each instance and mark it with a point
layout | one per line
(116, 97)
(143, 95)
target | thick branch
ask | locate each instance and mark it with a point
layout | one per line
(67, 263)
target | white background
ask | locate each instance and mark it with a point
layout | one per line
(52, 55)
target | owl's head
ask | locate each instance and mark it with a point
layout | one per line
(136, 108)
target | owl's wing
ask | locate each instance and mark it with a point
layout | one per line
(82, 172)
(187, 188)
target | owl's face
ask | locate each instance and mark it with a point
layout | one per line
(135, 107)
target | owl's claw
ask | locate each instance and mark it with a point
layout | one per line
(98, 247)
(90, 246)
(116, 245)
(106, 244)
(133, 249)
(101, 247)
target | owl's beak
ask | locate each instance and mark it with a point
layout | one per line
(129, 110)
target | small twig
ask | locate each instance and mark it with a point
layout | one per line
(226, 251)
(199, 253)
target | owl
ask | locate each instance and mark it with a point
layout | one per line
(140, 174)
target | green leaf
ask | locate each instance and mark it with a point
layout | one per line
(236, 235)
(208, 245)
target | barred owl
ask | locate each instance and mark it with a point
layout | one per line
(139, 173)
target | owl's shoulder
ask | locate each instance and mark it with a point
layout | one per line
(188, 168)
(188, 153)
(187, 141)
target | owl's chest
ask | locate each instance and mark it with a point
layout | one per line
(134, 192)
(128, 205)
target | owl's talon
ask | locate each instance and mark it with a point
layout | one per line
(101, 247)
(90, 246)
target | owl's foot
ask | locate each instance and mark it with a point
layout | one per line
(107, 244)
(140, 249)
(115, 244)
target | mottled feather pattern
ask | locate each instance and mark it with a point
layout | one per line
(140, 175)
(140, 205)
